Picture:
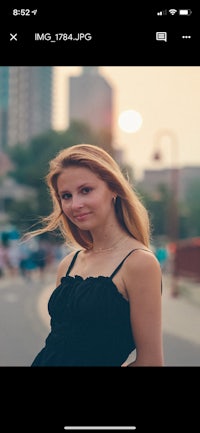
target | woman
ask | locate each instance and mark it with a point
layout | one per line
(107, 300)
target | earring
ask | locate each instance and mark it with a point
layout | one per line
(114, 200)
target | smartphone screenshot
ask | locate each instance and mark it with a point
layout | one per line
(126, 77)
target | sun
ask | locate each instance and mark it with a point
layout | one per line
(130, 121)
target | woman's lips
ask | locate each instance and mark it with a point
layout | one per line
(81, 216)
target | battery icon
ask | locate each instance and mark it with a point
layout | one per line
(185, 11)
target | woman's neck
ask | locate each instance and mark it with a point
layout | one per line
(108, 241)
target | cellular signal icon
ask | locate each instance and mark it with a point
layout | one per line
(172, 11)
(162, 12)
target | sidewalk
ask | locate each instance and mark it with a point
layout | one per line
(181, 314)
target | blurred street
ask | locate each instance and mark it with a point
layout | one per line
(22, 328)
(181, 323)
(24, 320)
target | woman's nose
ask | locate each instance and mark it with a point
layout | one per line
(76, 202)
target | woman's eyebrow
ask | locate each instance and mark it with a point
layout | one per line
(78, 188)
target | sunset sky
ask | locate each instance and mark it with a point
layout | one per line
(167, 98)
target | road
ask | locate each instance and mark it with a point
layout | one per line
(22, 331)
(181, 324)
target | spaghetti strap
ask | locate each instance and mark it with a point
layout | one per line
(72, 262)
(121, 263)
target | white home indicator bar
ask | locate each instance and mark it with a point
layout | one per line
(99, 427)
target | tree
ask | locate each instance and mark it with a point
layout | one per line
(158, 205)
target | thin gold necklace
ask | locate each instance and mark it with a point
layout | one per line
(103, 250)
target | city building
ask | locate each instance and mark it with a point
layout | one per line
(25, 103)
(25, 112)
(91, 101)
(4, 96)
(185, 176)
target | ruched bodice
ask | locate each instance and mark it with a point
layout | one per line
(90, 323)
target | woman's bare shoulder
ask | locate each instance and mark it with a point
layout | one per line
(142, 258)
(64, 265)
(66, 259)
(142, 266)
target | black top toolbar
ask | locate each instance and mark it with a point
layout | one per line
(147, 36)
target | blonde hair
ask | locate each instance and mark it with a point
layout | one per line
(131, 213)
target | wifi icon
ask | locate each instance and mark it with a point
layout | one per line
(173, 11)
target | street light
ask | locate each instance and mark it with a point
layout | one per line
(173, 215)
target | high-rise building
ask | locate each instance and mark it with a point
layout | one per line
(4, 95)
(91, 101)
(27, 109)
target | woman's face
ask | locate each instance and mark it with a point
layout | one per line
(86, 200)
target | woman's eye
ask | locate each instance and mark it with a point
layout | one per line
(86, 190)
(66, 196)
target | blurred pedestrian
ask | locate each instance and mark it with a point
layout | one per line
(13, 257)
(39, 258)
(162, 256)
(3, 260)
(107, 300)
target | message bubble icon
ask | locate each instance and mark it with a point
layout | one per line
(161, 36)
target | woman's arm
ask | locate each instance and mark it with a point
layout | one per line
(142, 276)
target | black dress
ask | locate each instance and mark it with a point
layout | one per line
(90, 323)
